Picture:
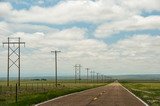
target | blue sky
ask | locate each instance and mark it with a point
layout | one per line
(109, 34)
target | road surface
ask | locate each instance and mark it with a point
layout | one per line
(110, 95)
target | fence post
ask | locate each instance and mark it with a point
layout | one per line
(1, 89)
(37, 87)
(32, 86)
(11, 88)
(26, 86)
(16, 93)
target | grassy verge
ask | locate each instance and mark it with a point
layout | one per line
(149, 92)
(31, 96)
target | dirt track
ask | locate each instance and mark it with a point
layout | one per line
(111, 95)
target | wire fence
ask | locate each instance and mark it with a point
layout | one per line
(12, 92)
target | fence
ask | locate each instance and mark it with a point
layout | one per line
(12, 92)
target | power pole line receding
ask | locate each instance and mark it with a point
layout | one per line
(97, 77)
(87, 73)
(102, 78)
(77, 72)
(13, 50)
(93, 75)
(55, 52)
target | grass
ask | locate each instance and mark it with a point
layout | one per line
(149, 92)
(33, 92)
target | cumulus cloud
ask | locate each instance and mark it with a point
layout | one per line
(57, 38)
(5, 10)
(70, 11)
(134, 53)
(128, 55)
(138, 46)
(137, 53)
(145, 5)
(132, 24)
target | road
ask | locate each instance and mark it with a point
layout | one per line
(110, 95)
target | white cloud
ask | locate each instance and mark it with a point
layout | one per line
(131, 55)
(128, 55)
(69, 11)
(56, 38)
(139, 45)
(5, 10)
(132, 24)
(70, 34)
(145, 5)
(136, 54)
(7, 28)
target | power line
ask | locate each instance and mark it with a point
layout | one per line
(1, 28)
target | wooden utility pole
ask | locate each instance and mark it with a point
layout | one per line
(55, 52)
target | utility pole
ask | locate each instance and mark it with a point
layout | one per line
(13, 50)
(87, 73)
(93, 75)
(79, 72)
(97, 77)
(105, 78)
(76, 72)
(102, 78)
(55, 52)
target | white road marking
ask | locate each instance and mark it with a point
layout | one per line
(95, 98)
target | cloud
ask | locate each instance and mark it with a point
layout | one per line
(71, 11)
(138, 53)
(56, 38)
(148, 5)
(132, 24)
(138, 46)
(7, 28)
(5, 9)
(135, 54)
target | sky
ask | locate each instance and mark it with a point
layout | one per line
(111, 37)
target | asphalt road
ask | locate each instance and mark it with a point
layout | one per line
(110, 95)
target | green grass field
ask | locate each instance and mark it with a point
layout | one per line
(149, 92)
(33, 92)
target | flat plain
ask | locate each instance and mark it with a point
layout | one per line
(147, 91)
(33, 92)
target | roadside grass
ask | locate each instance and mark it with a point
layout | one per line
(149, 92)
(33, 92)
